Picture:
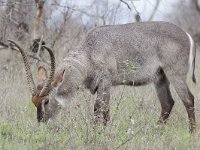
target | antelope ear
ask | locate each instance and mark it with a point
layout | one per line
(58, 78)
(42, 74)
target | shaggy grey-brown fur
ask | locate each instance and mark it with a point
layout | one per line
(130, 54)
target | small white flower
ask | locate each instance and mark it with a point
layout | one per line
(131, 129)
(132, 122)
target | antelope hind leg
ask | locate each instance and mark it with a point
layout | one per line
(164, 96)
(187, 99)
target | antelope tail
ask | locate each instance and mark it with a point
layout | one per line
(192, 56)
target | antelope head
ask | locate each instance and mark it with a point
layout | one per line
(47, 106)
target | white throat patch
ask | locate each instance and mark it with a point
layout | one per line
(60, 100)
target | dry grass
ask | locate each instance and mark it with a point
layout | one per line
(134, 112)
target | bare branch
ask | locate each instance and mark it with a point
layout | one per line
(39, 13)
(154, 10)
(13, 4)
(6, 46)
(14, 48)
(197, 5)
(126, 4)
(3, 44)
(66, 16)
(137, 16)
(39, 59)
(39, 47)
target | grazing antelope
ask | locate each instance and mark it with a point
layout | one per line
(161, 53)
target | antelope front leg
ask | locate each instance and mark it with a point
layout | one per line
(101, 106)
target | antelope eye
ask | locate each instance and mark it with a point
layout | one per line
(46, 102)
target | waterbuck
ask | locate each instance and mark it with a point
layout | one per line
(131, 54)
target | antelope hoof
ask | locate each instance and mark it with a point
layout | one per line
(106, 119)
(193, 128)
(161, 121)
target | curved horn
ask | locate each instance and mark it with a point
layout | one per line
(47, 85)
(29, 76)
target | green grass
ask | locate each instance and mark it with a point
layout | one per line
(134, 113)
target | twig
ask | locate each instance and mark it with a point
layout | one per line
(134, 7)
(130, 138)
(15, 3)
(137, 16)
(11, 47)
(39, 59)
(6, 46)
(39, 47)
(154, 11)
(126, 4)
(57, 36)
(78, 10)
(3, 44)
(197, 5)
(118, 104)
(115, 13)
(125, 142)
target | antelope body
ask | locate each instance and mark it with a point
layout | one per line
(131, 54)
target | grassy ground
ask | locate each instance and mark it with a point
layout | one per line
(134, 113)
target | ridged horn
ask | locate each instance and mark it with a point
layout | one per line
(29, 76)
(45, 90)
